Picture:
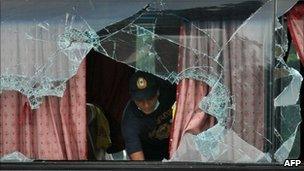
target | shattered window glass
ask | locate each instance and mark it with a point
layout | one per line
(237, 53)
(145, 58)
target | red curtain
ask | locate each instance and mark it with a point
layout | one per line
(249, 98)
(295, 21)
(189, 117)
(55, 131)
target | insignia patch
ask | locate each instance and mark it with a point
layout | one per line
(141, 83)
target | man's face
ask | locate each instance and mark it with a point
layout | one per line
(148, 105)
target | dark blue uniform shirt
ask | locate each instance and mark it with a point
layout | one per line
(149, 133)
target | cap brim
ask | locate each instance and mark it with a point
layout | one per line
(143, 95)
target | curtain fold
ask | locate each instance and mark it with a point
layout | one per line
(54, 131)
(189, 117)
(243, 61)
(295, 22)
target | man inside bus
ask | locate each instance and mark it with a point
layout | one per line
(147, 117)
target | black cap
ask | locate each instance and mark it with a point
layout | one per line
(142, 86)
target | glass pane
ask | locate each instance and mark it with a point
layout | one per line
(234, 47)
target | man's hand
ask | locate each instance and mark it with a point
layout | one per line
(139, 155)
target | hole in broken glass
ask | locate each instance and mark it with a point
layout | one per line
(121, 44)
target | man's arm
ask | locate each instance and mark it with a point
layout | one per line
(139, 155)
(130, 131)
